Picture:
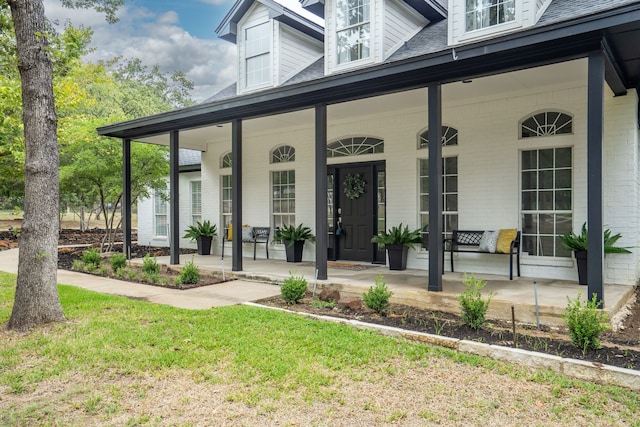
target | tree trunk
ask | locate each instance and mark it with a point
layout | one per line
(37, 300)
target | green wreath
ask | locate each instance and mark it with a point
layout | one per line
(353, 186)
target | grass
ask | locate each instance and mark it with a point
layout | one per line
(118, 350)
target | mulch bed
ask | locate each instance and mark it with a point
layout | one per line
(620, 348)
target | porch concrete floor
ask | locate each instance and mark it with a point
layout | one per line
(410, 286)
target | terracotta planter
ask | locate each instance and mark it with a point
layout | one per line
(581, 262)
(397, 256)
(294, 252)
(204, 245)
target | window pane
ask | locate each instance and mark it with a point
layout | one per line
(529, 200)
(563, 223)
(547, 246)
(529, 160)
(563, 200)
(547, 224)
(450, 165)
(451, 184)
(529, 245)
(546, 159)
(563, 157)
(451, 202)
(546, 200)
(530, 224)
(546, 179)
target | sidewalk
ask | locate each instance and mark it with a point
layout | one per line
(229, 293)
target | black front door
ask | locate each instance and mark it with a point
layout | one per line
(355, 212)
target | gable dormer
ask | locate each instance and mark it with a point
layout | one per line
(273, 43)
(359, 33)
(471, 20)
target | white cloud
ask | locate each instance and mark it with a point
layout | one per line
(155, 39)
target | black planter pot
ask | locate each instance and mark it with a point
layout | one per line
(204, 245)
(397, 256)
(581, 262)
(294, 252)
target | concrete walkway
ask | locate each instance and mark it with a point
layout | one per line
(229, 293)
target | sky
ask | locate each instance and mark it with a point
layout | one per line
(174, 34)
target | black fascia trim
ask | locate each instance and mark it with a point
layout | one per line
(314, 6)
(539, 46)
(431, 10)
(300, 23)
(226, 30)
(190, 168)
(612, 72)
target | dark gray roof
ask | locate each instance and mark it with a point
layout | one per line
(189, 157)
(432, 38)
(313, 71)
(228, 92)
(563, 10)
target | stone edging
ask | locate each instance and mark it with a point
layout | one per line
(578, 369)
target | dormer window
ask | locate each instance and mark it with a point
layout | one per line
(353, 30)
(257, 54)
(487, 13)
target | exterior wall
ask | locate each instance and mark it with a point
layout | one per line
(295, 51)
(146, 223)
(398, 22)
(527, 14)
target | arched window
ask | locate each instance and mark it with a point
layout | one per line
(355, 146)
(226, 160)
(284, 153)
(546, 123)
(449, 137)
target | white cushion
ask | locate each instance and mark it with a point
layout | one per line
(488, 241)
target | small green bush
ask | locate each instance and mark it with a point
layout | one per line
(91, 257)
(78, 265)
(150, 265)
(377, 297)
(585, 322)
(151, 277)
(118, 261)
(293, 288)
(189, 275)
(474, 306)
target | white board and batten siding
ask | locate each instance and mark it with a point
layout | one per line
(400, 24)
(294, 51)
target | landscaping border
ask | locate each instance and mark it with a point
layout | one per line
(573, 368)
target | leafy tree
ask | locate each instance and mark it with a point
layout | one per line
(37, 299)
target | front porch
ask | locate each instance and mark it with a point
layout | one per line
(410, 286)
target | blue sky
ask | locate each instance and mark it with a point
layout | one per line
(174, 34)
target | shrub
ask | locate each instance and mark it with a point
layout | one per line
(150, 265)
(77, 265)
(91, 257)
(293, 288)
(474, 307)
(190, 274)
(377, 297)
(118, 261)
(585, 322)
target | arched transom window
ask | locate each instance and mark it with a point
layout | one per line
(355, 146)
(546, 124)
(449, 137)
(284, 153)
(226, 161)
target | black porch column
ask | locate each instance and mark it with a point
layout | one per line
(435, 188)
(321, 191)
(236, 194)
(595, 225)
(126, 197)
(174, 196)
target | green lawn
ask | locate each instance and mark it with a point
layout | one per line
(104, 365)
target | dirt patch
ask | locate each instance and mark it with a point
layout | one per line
(619, 348)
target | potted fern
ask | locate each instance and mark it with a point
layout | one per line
(294, 238)
(398, 241)
(579, 243)
(202, 233)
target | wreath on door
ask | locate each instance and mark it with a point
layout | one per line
(353, 186)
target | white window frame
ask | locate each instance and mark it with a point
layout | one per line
(257, 55)
(196, 201)
(160, 216)
(226, 204)
(283, 198)
(447, 215)
(344, 27)
(491, 29)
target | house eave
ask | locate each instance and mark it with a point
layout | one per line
(537, 46)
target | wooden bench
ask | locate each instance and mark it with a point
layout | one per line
(254, 235)
(469, 241)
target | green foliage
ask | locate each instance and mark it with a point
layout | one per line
(293, 288)
(150, 265)
(580, 242)
(92, 257)
(377, 297)
(118, 261)
(323, 304)
(291, 233)
(474, 306)
(397, 235)
(204, 228)
(585, 322)
(77, 265)
(190, 274)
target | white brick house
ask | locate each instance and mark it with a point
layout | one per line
(514, 88)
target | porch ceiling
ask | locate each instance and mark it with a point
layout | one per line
(561, 74)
